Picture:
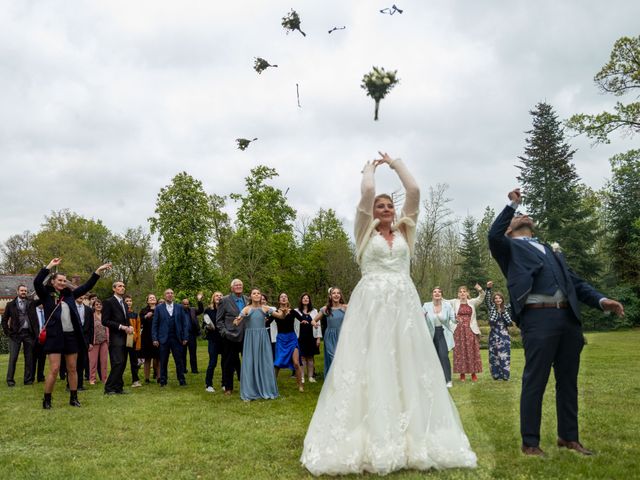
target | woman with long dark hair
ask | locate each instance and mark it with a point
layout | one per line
(63, 327)
(214, 340)
(287, 349)
(309, 345)
(149, 352)
(499, 339)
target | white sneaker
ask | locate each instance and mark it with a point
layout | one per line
(136, 384)
(303, 379)
(449, 384)
(312, 379)
(210, 389)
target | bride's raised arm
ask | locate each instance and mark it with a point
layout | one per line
(364, 213)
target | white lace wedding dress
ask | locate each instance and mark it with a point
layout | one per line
(384, 405)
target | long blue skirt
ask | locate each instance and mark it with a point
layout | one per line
(257, 378)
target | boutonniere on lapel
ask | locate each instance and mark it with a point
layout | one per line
(555, 247)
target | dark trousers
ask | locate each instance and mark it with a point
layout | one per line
(25, 340)
(175, 347)
(215, 348)
(551, 338)
(231, 352)
(82, 367)
(118, 358)
(133, 363)
(443, 352)
(39, 359)
(192, 346)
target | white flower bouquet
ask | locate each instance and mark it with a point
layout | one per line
(243, 143)
(261, 65)
(378, 83)
(291, 22)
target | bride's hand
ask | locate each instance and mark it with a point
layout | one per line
(385, 159)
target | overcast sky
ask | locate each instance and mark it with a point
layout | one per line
(103, 102)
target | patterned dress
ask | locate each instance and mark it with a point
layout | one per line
(499, 339)
(466, 352)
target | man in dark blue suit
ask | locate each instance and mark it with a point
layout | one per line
(170, 331)
(544, 294)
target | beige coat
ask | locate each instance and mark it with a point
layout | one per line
(473, 303)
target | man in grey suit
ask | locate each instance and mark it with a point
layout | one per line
(232, 335)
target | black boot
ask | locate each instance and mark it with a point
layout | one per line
(46, 402)
(73, 399)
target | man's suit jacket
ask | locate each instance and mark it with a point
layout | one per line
(161, 319)
(112, 317)
(227, 312)
(11, 318)
(87, 328)
(520, 262)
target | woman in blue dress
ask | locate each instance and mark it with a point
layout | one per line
(287, 349)
(499, 339)
(333, 312)
(257, 378)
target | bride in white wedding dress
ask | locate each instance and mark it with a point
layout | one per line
(384, 405)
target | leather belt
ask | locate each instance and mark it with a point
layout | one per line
(546, 305)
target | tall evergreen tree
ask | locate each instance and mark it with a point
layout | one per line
(552, 192)
(472, 270)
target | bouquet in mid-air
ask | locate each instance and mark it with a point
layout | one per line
(261, 65)
(291, 22)
(378, 83)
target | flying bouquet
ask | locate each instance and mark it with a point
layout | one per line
(243, 143)
(261, 65)
(292, 22)
(378, 83)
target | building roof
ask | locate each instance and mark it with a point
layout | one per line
(9, 284)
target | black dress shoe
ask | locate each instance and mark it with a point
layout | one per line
(74, 402)
(29, 382)
(81, 388)
(532, 451)
(123, 392)
(183, 384)
(46, 404)
(11, 384)
(110, 392)
(573, 445)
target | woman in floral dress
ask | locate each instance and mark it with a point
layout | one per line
(499, 339)
(466, 352)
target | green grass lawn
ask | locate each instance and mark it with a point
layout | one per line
(188, 433)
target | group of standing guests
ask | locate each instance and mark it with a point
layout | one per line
(453, 325)
(237, 325)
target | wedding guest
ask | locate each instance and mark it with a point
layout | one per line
(100, 352)
(134, 350)
(115, 317)
(466, 351)
(307, 341)
(214, 340)
(333, 312)
(64, 332)
(441, 322)
(499, 339)
(232, 335)
(86, 320)
(194, 332)
(257, 378)
(170, 332)
(287, 350)
(36, 312)
(20, 333)
(149, 351)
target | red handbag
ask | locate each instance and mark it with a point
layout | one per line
(42, 337)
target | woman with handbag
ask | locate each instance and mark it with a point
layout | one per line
(62, 331)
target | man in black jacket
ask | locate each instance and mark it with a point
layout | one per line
(194, 332)
(86, 320)
(19, 330)
(114, 317)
